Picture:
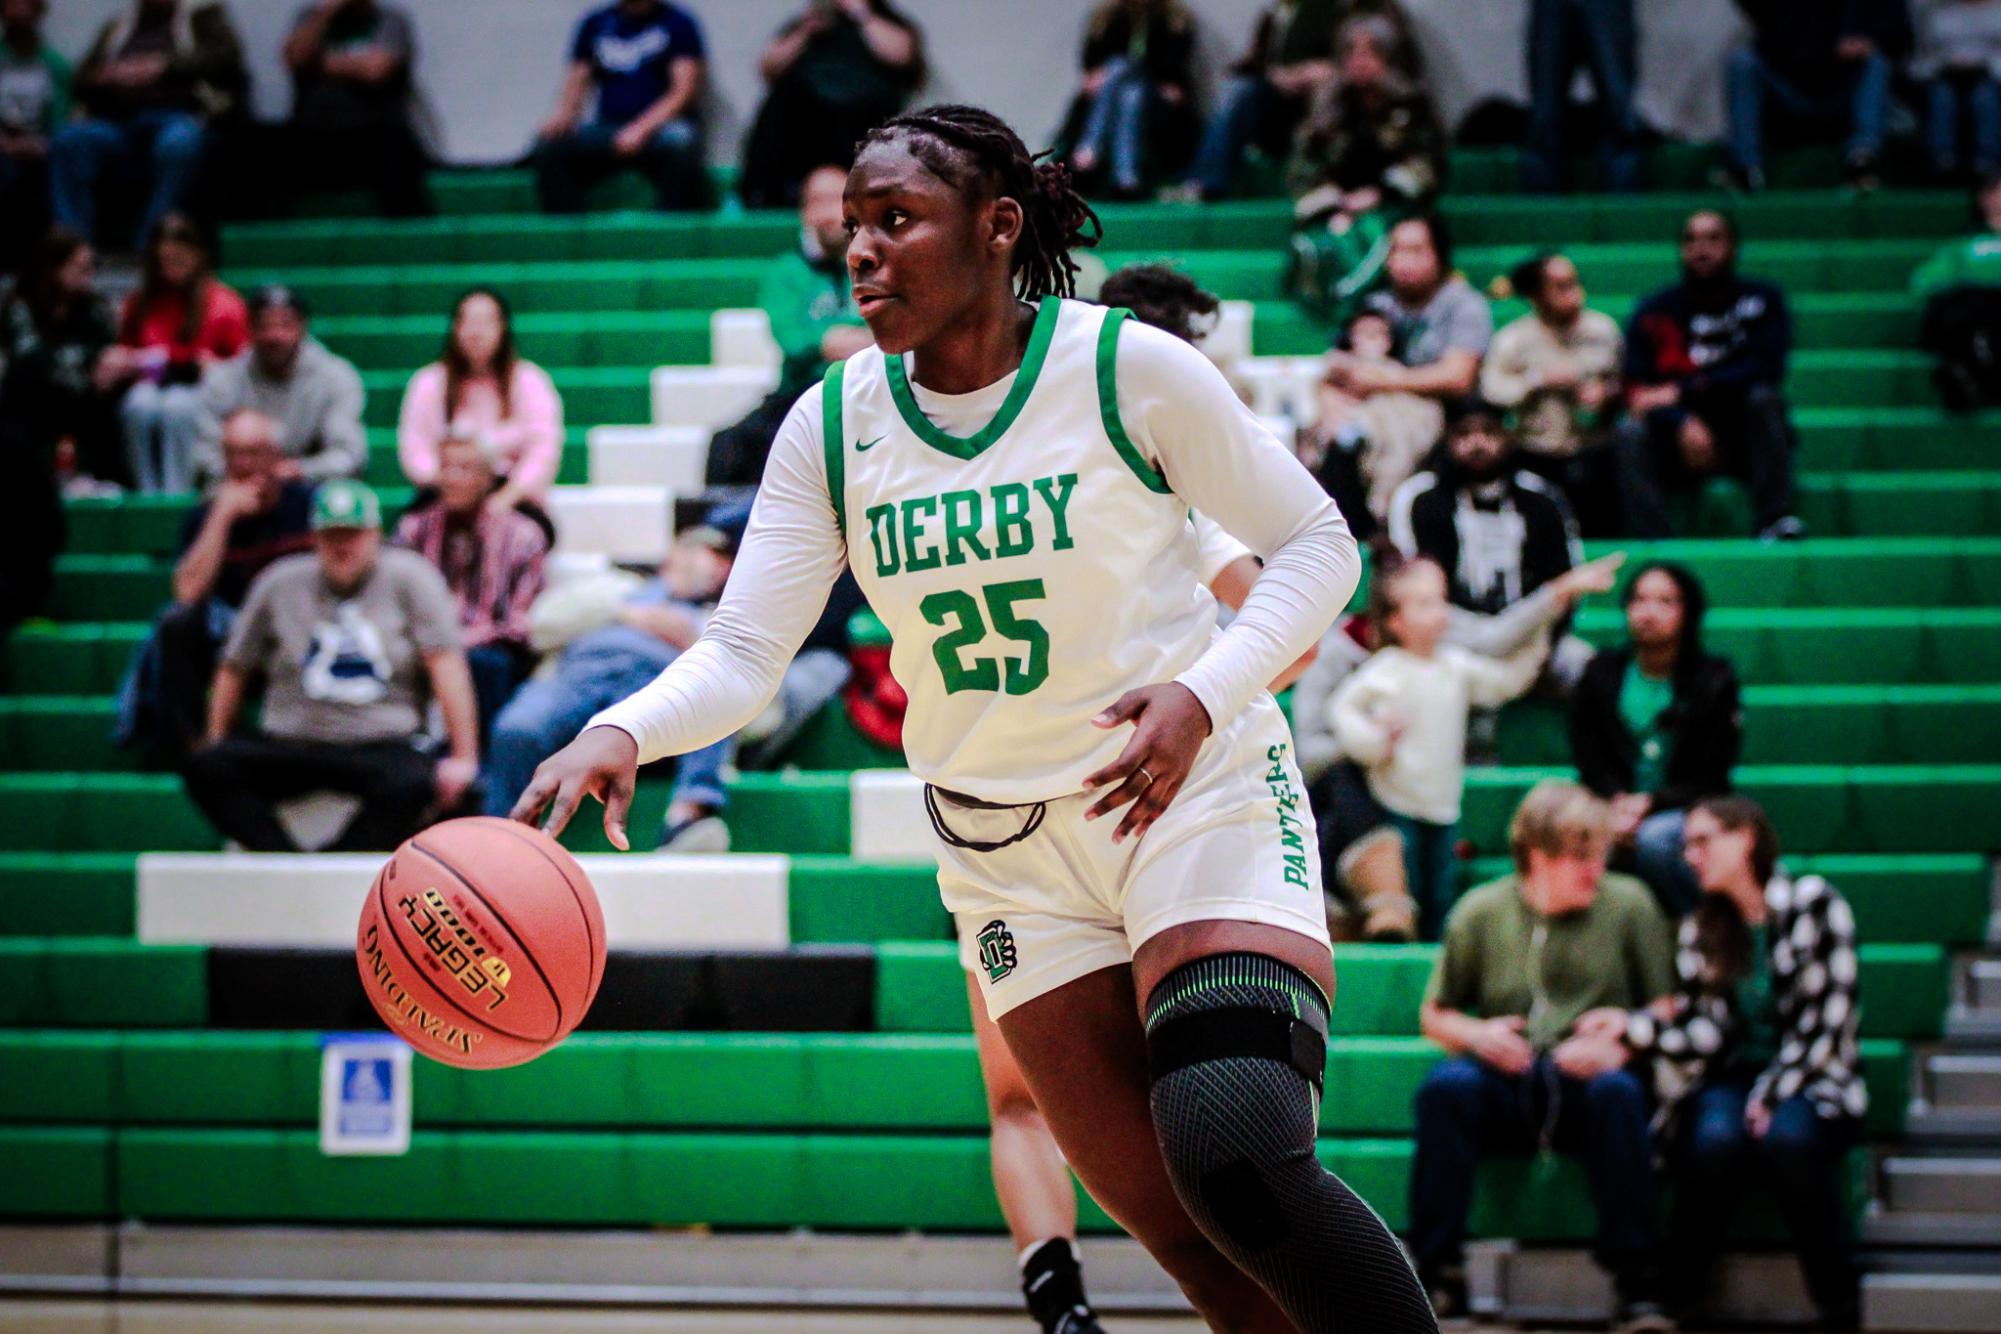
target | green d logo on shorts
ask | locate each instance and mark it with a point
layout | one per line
(996, 950)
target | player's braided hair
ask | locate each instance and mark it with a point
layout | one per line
(964, 146)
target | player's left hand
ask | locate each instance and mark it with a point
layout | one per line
(1169, 725)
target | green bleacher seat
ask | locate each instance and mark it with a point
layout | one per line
(1841, 724)
(652, 1081)
(101, 982)
(66, 893)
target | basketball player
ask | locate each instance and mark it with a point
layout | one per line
(1009, 474)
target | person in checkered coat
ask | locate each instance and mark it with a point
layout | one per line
(1755, 1055)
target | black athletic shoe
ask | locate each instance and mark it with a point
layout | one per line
(1446, 1288)
(1053, 1281)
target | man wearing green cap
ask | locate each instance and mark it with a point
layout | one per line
(351, 641)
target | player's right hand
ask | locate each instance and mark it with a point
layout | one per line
(602, 763)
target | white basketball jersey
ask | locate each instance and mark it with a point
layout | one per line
(1030, 574)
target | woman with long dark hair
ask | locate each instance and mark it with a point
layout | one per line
(481, 388)
(1010, 475)
(181, 319)
(1757, 1048)
(1138, 71)
(1655, 725)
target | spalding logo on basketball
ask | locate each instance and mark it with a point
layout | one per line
(481, 944)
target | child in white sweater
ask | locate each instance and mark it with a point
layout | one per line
(1401, 717)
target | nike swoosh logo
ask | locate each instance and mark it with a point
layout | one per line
(863, 449)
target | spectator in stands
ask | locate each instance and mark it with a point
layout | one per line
(1525, 957)
(353, 106)
(151, 83)
(1601, 35)
(610, 646)
(1959, 61)
(1760, 1035)
(349, 641)
(481, 387)
(1401, 718)
(1289, 66)
(1961, 287)
(34, 104)
(1656, 725)
(1705, 383)
(256, 516)
(1138, 72)
(64, 367)
(645, 61)
(288, 375)
(181, 320)
(813, 319)
(1824, 66)
(1498, 531)
(1371, 152)
(833, 73)
(491, 557)
(1557, 370)
(54, 404)
(1440, 329)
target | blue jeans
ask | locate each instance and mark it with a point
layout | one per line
(1799, 1159)
(1467, 1111)
(160, 423)
(1863, 102)
(1431, 865)
(672, 160)
(1657, 860)
(1599, 34)
(1115, 127)
(1248, 111)
(1980, 100)
(546, 714)
(162, 148)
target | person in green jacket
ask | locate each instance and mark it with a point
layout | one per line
(813, 319)
(1961, 285)
(34, 102)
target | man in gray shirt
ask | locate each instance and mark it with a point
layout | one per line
(315, 397)
(351, 641)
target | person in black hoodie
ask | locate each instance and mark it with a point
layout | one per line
(1705, 372)
(1499, 532)
(1829, 62)
(1656, 725)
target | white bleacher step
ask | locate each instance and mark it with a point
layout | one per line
(886, 817)
(743, 338)
(1283, 386)
(655, 901)
(622, 523)
(1949, 1301)
(709, 397)
(676, 457)
(1230, 341)
(1969, 1185)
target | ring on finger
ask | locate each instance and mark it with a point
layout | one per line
(1147, 776)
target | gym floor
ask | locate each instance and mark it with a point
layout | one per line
(60, 1316)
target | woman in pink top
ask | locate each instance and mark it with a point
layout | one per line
(482, 388)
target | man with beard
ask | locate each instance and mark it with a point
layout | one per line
(1499, 532)
(1705, 366)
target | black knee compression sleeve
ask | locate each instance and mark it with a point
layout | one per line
(1237, 1043)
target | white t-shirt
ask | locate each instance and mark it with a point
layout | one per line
(1029, 550)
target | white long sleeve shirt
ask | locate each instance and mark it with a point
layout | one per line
(1423, 774)
(1181, 423)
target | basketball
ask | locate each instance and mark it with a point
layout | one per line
(481, 944)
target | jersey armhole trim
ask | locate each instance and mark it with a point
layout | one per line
(835, 445)
(1108, 404)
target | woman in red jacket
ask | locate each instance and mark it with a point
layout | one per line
(180, 319)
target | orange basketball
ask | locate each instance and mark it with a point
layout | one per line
(481, 944)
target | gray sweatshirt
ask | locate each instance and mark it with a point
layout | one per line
(1959, 34)
(317, 408)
